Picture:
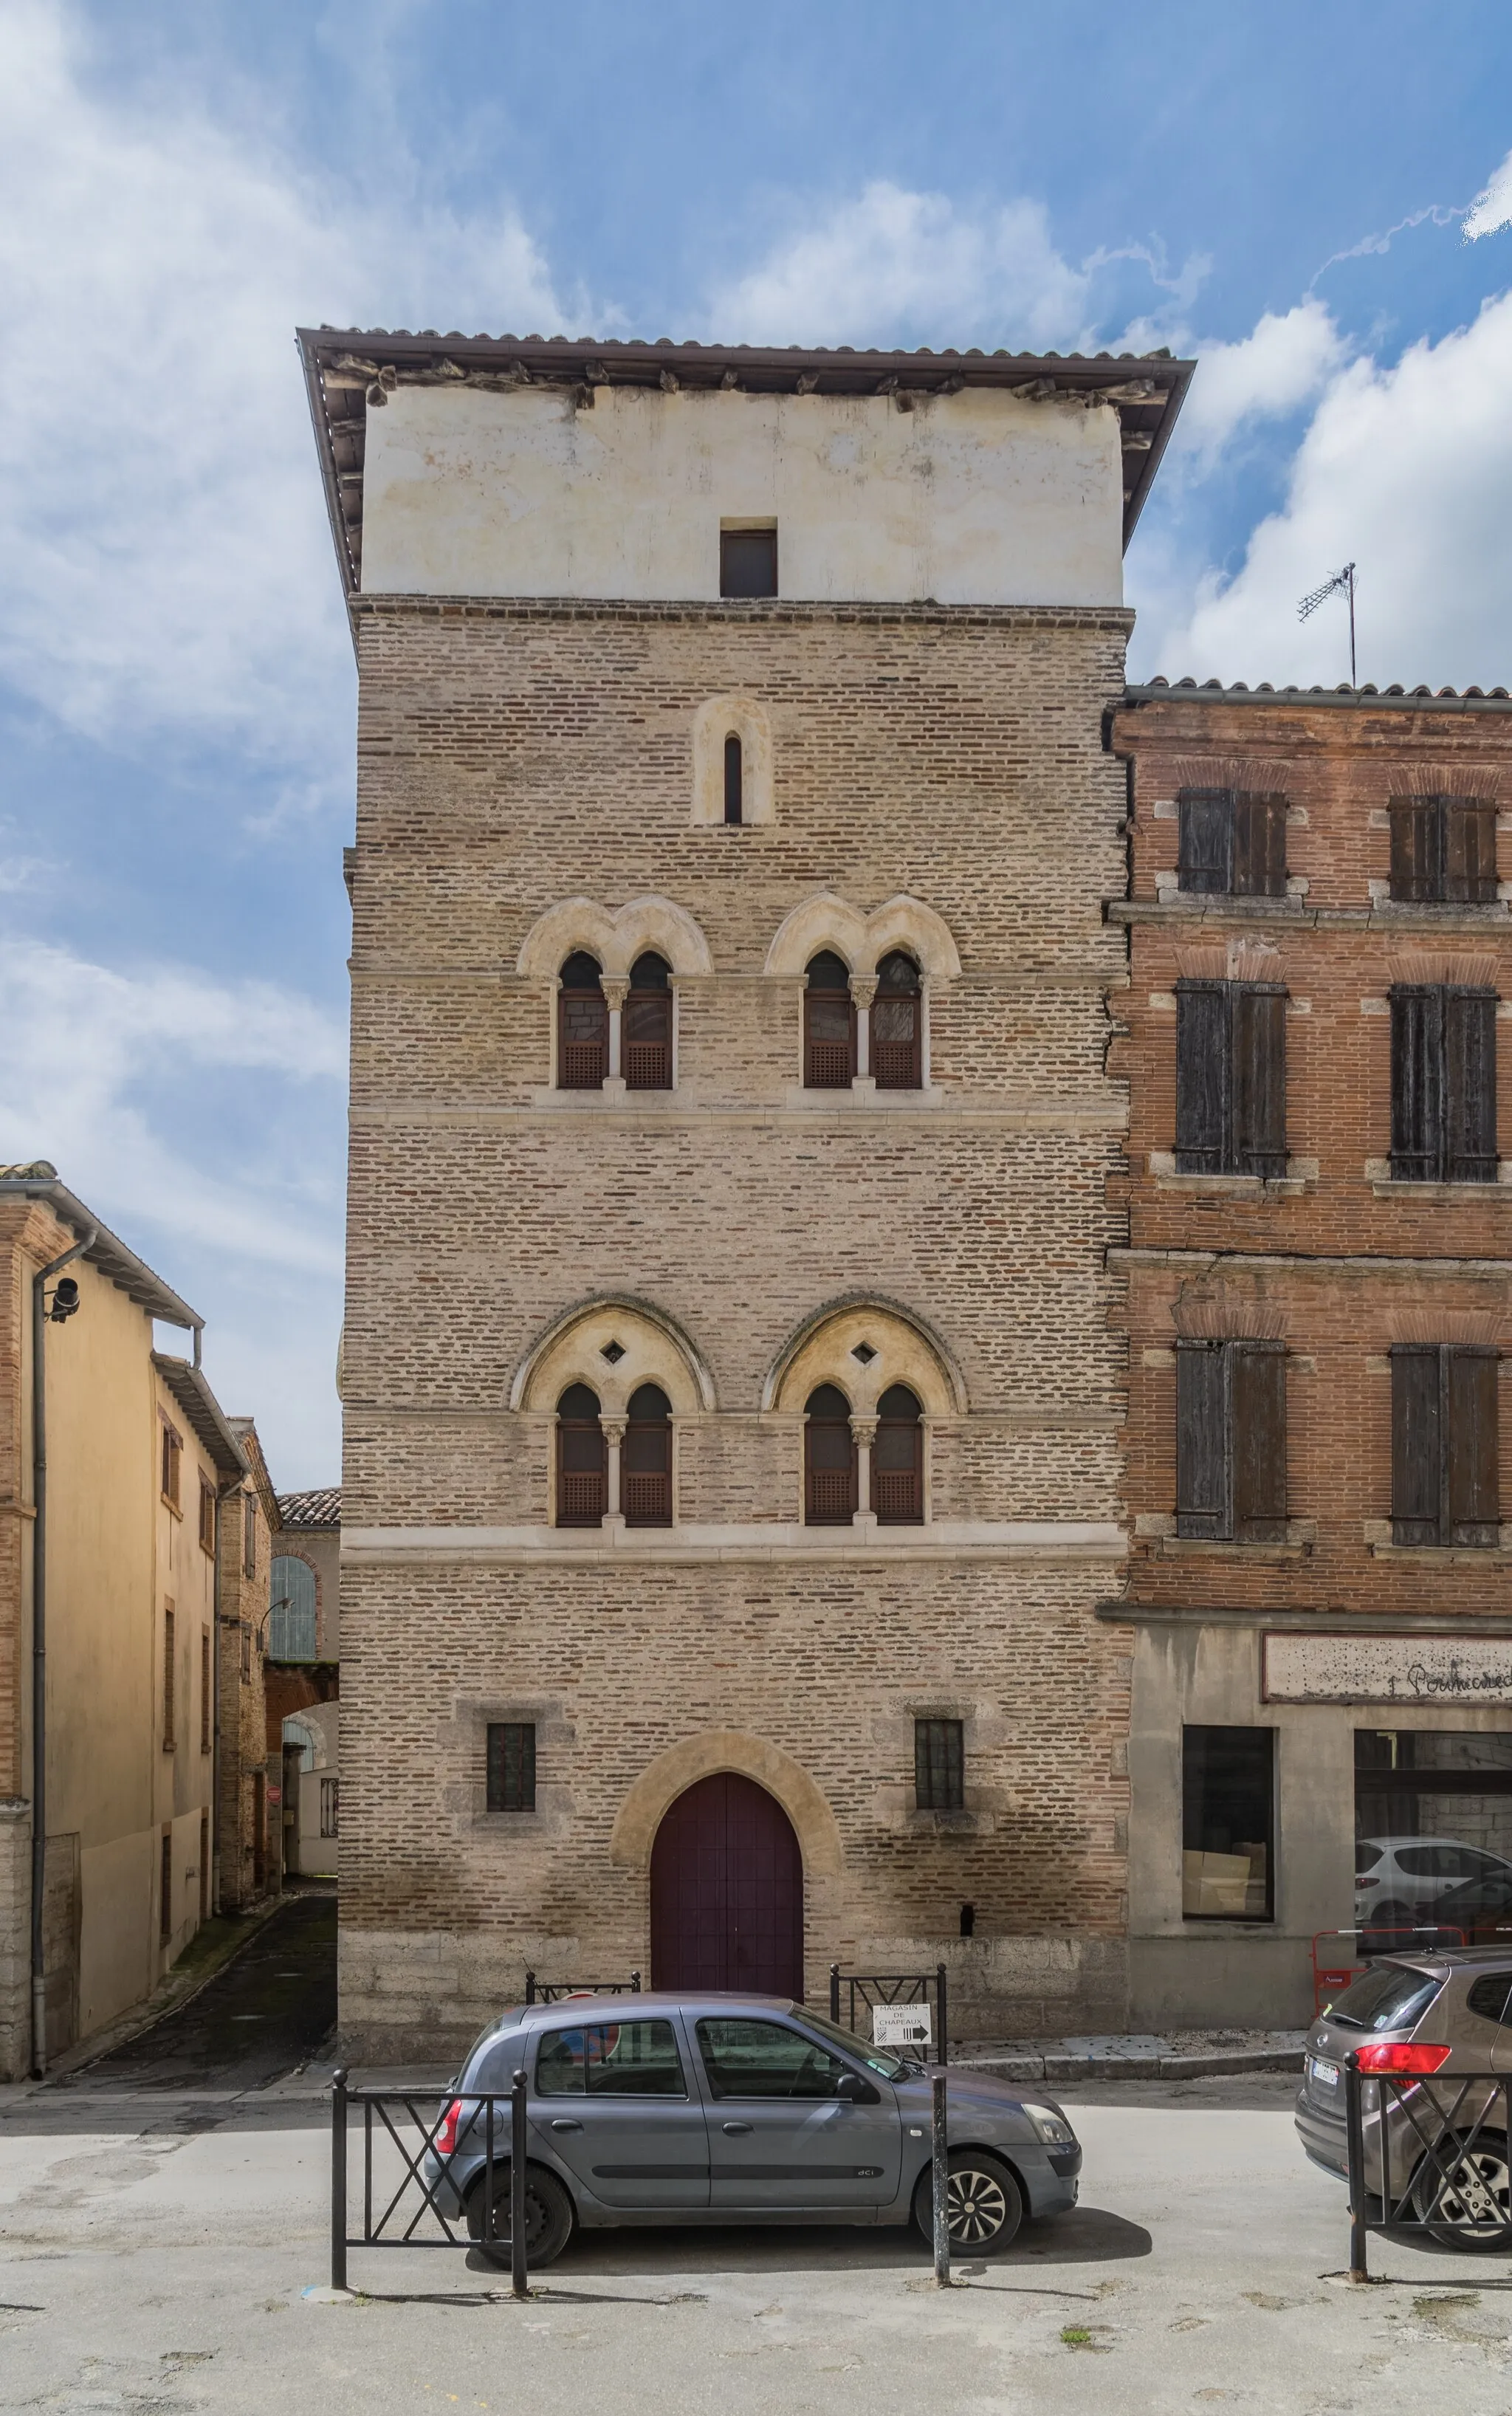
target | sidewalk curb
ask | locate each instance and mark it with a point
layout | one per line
(1131, 2067)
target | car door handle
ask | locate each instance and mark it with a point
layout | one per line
(565, 2122)
(736, 2130)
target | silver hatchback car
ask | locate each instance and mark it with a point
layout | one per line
(1442, 2024)
(697, 2109)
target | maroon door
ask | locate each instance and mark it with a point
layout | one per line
(727, 1891)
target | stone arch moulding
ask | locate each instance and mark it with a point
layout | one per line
(681, 1766)
(647, 1347)
(898, 1346)
(616, 938)
(826, 921)
(746, 717)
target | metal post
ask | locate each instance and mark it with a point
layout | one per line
(518, 2278)
(635, 1984)
(530, 1988)
(339, 2178)
(941, 2179)
(941, 1999)
(835, 1993)
(489, 2226)
(1359, 2234)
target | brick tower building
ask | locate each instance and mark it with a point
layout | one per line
(734, 1378)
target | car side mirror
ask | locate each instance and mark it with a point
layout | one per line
(855, 2091)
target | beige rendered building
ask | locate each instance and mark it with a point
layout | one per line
(732, 1391)
(118, 1517)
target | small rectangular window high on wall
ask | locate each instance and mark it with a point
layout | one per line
(939, 1765)
(207, 1691)
(1445, 1458)
(248, 1537)
(748, 561)
(511, 1766)
(1443, 851)
(165, 1887)
(1231, 844)
(1442, 1082)
(170, 1691)
(173, 1454)
(1231, 1440)
(206, 1517)
(1230, 1079)
(1228, 1824)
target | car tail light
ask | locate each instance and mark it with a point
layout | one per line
(446, 2139)
(1413, 2057)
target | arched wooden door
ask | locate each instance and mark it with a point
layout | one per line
(727, 1891)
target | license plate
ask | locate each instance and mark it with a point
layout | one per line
(1324, 2073)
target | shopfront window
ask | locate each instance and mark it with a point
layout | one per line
(1432, 1837)
(1228, 1824)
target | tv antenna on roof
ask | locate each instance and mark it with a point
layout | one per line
(1341, 584)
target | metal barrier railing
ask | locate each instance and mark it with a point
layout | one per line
(873, 1989)
(1441, 2152)
(403, 2203)
(551, 1992)
(1390, 1938)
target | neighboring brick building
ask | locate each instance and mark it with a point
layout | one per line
(249, 1787)
(1319, 1291)
(729, 1114)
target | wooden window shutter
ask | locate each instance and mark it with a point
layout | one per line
(1415, 850)
(1417, 1083)
(1473, 1475)
(1206, 844)
(1259, 1080)
(1260, 846)
(1202, 1480)
(1470, 1085)
(1204, 1078)
(1416, 1443)
(1258, 1421)
(1468, 851)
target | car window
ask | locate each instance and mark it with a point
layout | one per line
(1365, 1859)
(749, 2059)
(611, 2060)
(1421, 1862)
(1488, 1996)
(1390, 1998)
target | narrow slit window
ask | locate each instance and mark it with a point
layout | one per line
(734, 779)
(511, 1766)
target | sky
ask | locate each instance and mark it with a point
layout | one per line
(1315, 201)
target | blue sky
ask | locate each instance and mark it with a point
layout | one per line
(1315, 201)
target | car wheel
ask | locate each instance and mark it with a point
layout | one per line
(549, 2216)
(1471, 2210)
(984, 2205)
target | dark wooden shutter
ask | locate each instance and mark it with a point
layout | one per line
(1417, 1083)
(1258, 1079)
(1473, 1487)
(1415, 873)
(1470, 1085)
(1203, 1077)
(1416, 1443)
(1203, 1486)
(1469, 852)
(1205, 843)
(1258, 1415)
(1260, 846)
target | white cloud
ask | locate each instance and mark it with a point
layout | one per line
(1492, 209)
(1283, 364)
(96, 1077)
(166, 559)
(1408, 471)
(893, 267)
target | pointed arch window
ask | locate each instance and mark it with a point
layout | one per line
(645, 1463)
(734, 779)
(829, 1459)
(645, 1046)
(898, 1024)
(828, 1026)
(582, 1025)
(897, 1459)
(582, 1459)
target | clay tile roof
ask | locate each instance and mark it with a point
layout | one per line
(319, 1507)
(1447, 699)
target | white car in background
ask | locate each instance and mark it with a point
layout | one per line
(1398, 1880)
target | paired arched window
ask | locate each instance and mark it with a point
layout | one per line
(828, 1026)
(645, 1459)
(646, 1043)
(734, 779)
(582, 1459)
(582, 1025)
(897, 1459)
(829, 1459)
(898, 1024)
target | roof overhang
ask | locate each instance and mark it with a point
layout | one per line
(129, 1273)
(1394, 698)
(351, 370)
(203, 1412)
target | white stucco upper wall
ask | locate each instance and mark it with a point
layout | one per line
(975, 498)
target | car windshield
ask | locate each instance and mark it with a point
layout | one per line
(1390, 1998)
(876, 2059)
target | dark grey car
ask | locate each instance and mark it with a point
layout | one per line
(738, 2109)
(1458, 2002)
